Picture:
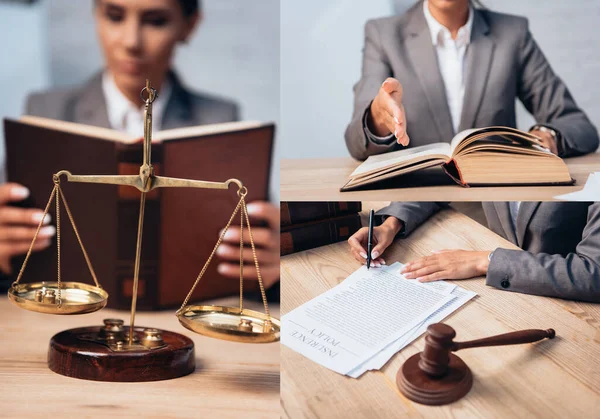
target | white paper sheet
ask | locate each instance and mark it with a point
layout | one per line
(460, 297)
(590, 191)
(348, 324)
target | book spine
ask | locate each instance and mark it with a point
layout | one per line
(452, 170)
(301, 212)
(128, 207)
(310, 235)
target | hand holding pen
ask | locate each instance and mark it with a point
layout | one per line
(382, 237)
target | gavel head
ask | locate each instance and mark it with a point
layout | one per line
(436, 354)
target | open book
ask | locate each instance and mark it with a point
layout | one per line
(100, 133)
(181, 225)
(483, 156)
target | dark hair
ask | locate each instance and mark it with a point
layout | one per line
(190, 7)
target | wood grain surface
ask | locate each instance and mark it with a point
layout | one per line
(231, 380)
(557, 378)
(321, 180)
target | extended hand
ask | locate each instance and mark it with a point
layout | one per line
(547, 140)
(383, 236)
(18, 226)
(266, 240)
(447, 264)
(387, 112)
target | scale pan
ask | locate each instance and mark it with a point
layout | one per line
(76, 297)
(228, 323)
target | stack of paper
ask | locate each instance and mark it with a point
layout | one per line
(360, 324)
(590, 191)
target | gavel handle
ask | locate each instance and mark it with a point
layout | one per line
(513, 338)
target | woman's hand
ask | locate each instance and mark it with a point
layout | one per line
(18, 226)
(266, 241)
(387, 112)
(447, 264)
(547, 140)
(383, 236)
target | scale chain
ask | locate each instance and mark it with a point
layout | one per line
(35, 236)
(85, 255)
(58, 239)
(219, 241)
(260, 281)
(241, 261)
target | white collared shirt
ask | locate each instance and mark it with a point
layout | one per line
(124, 116)
(451, 59)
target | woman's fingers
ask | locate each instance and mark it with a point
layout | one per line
(268, 273)
(232, 253)
(396, 118)
(22, 216)
(391, 86)
(436, 276)
(425, 270)
(12, 192)
(358, 241)
(263, 237)
(17, 233)
(21, 247)
(264, 211)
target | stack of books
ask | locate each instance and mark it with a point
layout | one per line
(306, 225)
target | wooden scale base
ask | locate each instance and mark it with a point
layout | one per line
(421, 388)
(90, 353)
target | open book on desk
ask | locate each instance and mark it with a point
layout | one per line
(483, 156)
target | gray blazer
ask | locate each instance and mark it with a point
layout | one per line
(87, 105)
(503, 63)
(561, 242)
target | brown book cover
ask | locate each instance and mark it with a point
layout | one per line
(309, 235)
(302, 212)
(181, 225)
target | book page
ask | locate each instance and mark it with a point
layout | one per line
(458, 138)
(504, 135)
(202, 130)
(401, 157)
(345, 326)
(80, 129)
(165, 135)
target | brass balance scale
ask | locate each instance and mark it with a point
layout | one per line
(113, 352)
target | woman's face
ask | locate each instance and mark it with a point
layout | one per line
(138, 38)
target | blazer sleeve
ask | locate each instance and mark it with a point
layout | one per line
(412, 214)
(574, 277)
(547, 98)
(375, 69)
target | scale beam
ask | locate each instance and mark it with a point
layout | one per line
(146, 185)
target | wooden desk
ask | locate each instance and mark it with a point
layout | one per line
(232, 380)
(557, 378)
(321, 179)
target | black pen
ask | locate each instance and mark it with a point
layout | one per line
(370, 239)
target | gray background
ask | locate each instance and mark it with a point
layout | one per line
(321, 45)
(234, 53)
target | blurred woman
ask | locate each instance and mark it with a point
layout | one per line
(138, 40)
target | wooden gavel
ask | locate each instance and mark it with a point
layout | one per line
(436, 376)
(438, 345)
